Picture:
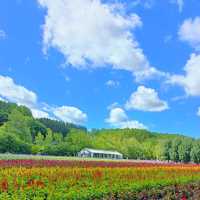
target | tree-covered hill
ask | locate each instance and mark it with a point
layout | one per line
(59, 126)
(21, 133)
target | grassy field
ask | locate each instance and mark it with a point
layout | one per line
(8, 156)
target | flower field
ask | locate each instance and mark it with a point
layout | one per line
(85, 180)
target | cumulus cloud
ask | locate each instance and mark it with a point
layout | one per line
(190, 32)
(112, 83)
(70, 114)
(12, 92)
(93, 34)
(146, 99)
(117, 115)
(119, 119)
(190, 81)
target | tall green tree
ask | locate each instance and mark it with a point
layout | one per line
(77, 140)
(174, 151)
(57, 138)
(18, 125)
(167, 150)
(60, 126)
(36, 127)
(184, 150)
(24, 111)
(39, 139)
(49, 137)
(195, 152)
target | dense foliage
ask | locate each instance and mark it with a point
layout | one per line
(76, 180)
(59, 126)
(51, 137)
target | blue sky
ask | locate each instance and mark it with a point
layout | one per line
(126, 63)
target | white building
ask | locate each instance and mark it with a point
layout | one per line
(94, 153)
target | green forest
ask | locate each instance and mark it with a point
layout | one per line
(20, 133)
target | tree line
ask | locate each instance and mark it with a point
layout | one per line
(21, 133)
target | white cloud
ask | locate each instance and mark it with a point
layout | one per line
(190, 32)
(191, 80)
(132, 124)
(178, 98)
(149, 3)
(146, 99)
(198, 112)
(113, 105)
(119, 119)
(10, 91)
(70, 114)
(39, 113)
(112, 83)
(117, 115)
(2, 34)
(93, 34)
(146, 3)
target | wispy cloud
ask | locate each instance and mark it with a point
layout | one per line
(2, 34)
(179, 3)
(112, 83)
(198, 112)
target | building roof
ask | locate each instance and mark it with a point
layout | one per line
(102, 151)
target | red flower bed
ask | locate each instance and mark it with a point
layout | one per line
(87, 179)
(87, 164)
